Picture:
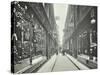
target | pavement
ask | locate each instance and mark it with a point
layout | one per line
(86, 57)
(25, 64)
(77, 63)
(62, 63)
(55, 63)
(92, 64)
(47, 67)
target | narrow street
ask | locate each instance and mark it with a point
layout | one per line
(50, 37)
(62, 62)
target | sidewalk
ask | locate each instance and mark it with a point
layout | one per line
(47, 67)
(86, 61)
(25, 64)
(87, 58)
(77, 63)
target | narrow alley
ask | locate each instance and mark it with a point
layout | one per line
(50, 37)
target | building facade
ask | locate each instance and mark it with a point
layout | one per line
(80, 33)
(32, 31)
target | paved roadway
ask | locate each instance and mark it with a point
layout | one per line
(58, 63)
(62, 63)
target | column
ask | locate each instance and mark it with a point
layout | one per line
(47, 45)
(88, 43)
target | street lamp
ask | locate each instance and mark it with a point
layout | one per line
(35, 41)
(93, 21)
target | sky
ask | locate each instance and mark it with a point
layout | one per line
(60, 11)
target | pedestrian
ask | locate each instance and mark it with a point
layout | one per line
(30, 59)
(57, 53)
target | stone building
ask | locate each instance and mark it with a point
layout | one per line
(80, 33)
(36, 29)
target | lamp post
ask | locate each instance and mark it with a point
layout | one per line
(35, 41)
(93, 21)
